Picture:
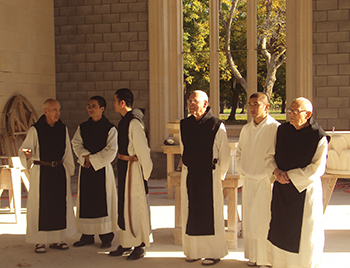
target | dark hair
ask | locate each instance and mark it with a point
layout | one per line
(126, 95)
(101, 101)
(260, 96)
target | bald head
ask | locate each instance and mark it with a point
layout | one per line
(201, 95)
(198, 103)
(48, 103)
(52, 111)
(300, 111)
(304, 104)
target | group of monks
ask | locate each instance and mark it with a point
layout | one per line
(47, 152)
(281, 163)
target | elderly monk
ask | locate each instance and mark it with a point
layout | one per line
(296, 232)
(50, 215)
(205, 155)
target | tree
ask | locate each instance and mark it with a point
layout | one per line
(233, 21)
(233, 85)
(227, 18)
(272, 38)
(195, 46)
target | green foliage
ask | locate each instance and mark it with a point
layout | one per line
(196, 47)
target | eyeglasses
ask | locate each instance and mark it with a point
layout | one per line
(192, 100)
(295, 111)
(93, 107)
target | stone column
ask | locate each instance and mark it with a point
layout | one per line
(252, 69)
(214, 56)
(166, 77)
(299, 49)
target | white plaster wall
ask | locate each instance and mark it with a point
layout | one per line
(27, 54)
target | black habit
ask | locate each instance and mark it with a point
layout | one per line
(294, 149)
(198, 139)
(92, 191)
(123, 143)
(53, 181)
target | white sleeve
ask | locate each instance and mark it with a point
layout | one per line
(302, 178)
(138, 138)
(108, 153)
(30, 142)
(78, 147)
(224, 150)
(68, 160)
(270, 163)
(239, 153)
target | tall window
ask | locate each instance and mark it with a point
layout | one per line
(233, 52)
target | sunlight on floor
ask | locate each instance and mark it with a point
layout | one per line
(332, 219)
(178, 254)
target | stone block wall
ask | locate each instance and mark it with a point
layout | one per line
(331, 60)
(101, 46)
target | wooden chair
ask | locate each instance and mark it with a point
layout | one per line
(12, 173)
(19, 116)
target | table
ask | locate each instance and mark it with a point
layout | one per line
(170, 151)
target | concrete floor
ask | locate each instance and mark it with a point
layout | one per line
(14, 252)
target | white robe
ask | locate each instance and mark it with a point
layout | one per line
(312, 231)
(254, 142)
(208, 246)
(33, 234)
(101, 159)
(140, 170)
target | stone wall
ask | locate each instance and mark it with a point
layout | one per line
(101, 46)
(331, 50)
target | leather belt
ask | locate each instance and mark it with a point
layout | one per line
(48, 164)
(131, 159)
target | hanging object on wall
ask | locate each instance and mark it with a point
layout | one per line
(20, 115)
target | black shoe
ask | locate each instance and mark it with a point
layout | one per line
(106, 245)
(120, 251)
(210, 261)
(82, 243)
(138, 252)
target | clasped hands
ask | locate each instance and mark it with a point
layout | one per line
(87, 162)
(281, 176)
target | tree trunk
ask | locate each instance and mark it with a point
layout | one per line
(270, 78)
(236, 73)
(235, 92)
(283, 107)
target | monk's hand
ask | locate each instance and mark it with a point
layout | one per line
(87, 162)
(27, 153)
(281, 176)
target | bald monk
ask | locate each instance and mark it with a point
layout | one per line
(296, 232)
(50, 215)
(205, 155)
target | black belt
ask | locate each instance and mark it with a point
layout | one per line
(48, 164)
